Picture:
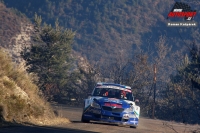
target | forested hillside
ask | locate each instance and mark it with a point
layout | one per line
(106, 28)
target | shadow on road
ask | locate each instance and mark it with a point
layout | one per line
(94, 122)
(40, 129)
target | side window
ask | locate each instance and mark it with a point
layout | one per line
(96, 92)
(103, 92)
(130, 96)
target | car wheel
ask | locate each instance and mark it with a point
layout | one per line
(84, 120)
(133, 127)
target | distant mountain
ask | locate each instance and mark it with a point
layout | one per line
(106, 28)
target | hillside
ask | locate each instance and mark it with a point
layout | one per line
(20, 99)
(107, 28)
(15, 31)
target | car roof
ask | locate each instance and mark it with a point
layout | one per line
(113, 84)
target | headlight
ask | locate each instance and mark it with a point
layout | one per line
(126, 116)
(132, 116)
(95, 105)
(127, 110)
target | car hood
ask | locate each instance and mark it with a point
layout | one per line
(112, 101)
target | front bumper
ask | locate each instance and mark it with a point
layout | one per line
(114, 117)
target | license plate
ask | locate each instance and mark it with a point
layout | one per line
(107, 117)
(111, 118)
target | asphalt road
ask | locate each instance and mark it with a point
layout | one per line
(74, 114)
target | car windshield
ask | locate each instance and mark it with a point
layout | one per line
(124, 94)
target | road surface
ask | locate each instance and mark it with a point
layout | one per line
(74, 114)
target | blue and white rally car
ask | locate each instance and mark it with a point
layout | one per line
(113, 103)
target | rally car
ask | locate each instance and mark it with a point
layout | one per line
(113, 103)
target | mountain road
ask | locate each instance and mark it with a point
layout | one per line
(76, 126)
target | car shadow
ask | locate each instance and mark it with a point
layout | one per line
(94, 122)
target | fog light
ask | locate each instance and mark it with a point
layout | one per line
(126, 116)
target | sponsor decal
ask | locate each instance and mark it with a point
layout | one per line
(136, 113)
(114, 87)
(112, 100)
(134, 121)
(113, 105)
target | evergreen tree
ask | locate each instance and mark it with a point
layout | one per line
(49, 56)
(186, 88)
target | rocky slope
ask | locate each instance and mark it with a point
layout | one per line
(15, 31)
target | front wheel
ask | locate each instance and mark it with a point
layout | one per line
(84, 120)
(133, 127)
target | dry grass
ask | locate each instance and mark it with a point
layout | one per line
(51, 122)
(19, 99)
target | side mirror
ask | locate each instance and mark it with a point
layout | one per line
(89, 95)
(95, 99)
(136, 100)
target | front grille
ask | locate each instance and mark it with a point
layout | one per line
(107, 108)
(114, 110)
(124, 120)
(97, 116)
(118, 110)
(115, 113)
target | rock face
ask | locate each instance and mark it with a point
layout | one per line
(20, 41)
(15, 32)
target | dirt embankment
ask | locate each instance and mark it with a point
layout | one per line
(20, 98)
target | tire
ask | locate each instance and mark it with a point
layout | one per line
(84, 120)
(133, 127)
